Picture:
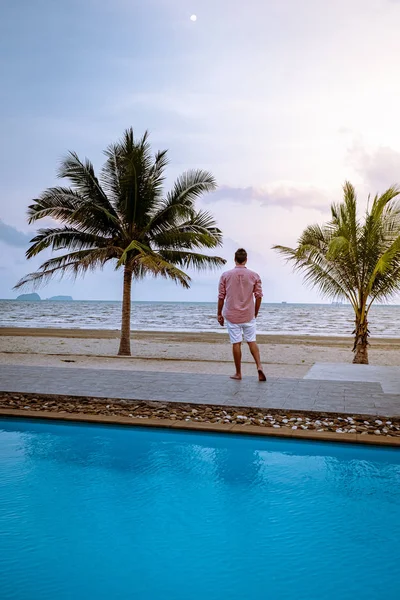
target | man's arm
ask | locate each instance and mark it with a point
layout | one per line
(219, 313)
(257, 306)
(221, 300)
(258, 294)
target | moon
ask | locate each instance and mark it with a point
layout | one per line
(193, 18)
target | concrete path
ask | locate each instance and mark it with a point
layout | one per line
(387, 377)
(289, 394)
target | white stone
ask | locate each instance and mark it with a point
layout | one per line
(285, 421)
(352, 431)
(304, 426)
(299, 419)
(378, 422)
(388, 422)
(377, 432)
(241, 417)
(276, 426)
(339, 430)
(366, 422)
(294, 427)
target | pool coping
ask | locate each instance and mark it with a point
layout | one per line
(284, 432)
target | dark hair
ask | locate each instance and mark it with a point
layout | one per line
(240, 256)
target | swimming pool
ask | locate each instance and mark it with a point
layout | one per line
(102, 512)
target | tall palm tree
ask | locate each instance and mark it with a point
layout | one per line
(358, 261)
(124, 216)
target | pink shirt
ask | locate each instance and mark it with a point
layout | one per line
(238, 287)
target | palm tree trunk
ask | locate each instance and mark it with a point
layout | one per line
(360, 347)
(125, 342)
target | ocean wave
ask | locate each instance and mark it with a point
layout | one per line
(288, 319)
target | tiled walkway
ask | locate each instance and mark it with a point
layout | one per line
(388, 377)
(302, 394)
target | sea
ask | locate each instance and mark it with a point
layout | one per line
(290, 319)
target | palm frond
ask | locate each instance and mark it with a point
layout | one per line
(67, 206)
(56, 202)
(64, 238)
(384, 276)
(193, 260)
(190, 186)
(136, 173)
(157, 266)
(198, 232)
(318, 272)
(83, 178)
(179, 203)
(338, 247)
(381, 202)
(385, 287)
(142, 257)
(73, 263)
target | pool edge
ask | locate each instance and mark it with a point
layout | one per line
(323, 436)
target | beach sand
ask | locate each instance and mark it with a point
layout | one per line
(282, 356)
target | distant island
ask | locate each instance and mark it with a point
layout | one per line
(36, 298)
(29, 297)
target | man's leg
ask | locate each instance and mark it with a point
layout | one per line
(255, 352)
(237, 357)
(249, 330)
(236, 336)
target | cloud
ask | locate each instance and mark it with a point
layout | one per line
(379, 168)
(284, 195)
(11, 236)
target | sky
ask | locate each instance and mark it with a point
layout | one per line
(282, 100)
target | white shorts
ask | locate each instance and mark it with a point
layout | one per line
(239, 330)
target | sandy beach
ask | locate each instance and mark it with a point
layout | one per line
(283, 356)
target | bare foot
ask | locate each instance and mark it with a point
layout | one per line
(237, 377)
(261, 375)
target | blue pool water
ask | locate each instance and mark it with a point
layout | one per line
(110, 513)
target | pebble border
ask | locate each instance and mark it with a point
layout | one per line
(189, 416)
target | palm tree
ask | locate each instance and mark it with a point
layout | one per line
(358, 261)
(124, 216)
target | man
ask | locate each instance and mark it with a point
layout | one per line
(237, 290)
